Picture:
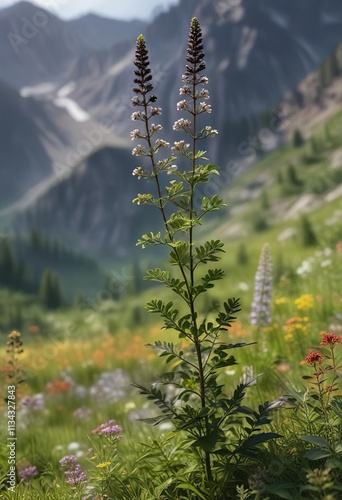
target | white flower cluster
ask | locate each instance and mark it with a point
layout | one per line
(138, 115)
(160, 143)
(155, 111)
(185, 90)
(181, 105)
(208, 132)
(156, 128)
(204, 108)
(139, 150)
(135, 134)
(203, 94)
(320, 258)
(179, 146)
(139, 172)
(181, 124)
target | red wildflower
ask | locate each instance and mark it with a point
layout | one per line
(314, 358)
(330, 339)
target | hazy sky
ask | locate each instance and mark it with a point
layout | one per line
(120, 9)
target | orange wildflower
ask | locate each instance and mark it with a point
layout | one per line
(58, 386)
(34, 329)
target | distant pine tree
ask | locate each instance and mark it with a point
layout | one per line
(280, 178)
(308, 235)
(292, 176)
(265, 204)
(7, 266)
(298, 139)
(242, 256)
(50, 290)
(35, 240)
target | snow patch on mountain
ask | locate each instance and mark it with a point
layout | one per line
(66, 89)
(40, 90)
(75, 111)
(117, 68)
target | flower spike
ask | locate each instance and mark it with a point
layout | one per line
(143, 73)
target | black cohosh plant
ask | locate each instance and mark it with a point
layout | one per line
(202, 408)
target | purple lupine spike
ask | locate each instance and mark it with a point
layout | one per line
(263, 285)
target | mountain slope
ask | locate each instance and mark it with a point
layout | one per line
(24, 159)
(97, 32)
(255, 52)
(91, 209)
(36, 45)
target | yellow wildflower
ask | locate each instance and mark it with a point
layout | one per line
(104, 464)
(295, 325)
(305, 301)
(281, 301)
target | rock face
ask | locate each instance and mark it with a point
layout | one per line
(24, 160)
(255, 52)
(91, 209)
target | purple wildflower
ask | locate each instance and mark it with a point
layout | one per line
(112, 431)
(261, 305)
(68, 461)
(76, 475)
(28, 473)
(33, 403)
(108, 429)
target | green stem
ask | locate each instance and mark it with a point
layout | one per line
(321, 400)
(161, 207)
(192, 271)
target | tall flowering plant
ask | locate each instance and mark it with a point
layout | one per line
(263, 285)
(202, 408)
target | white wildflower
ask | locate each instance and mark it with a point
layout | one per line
(204, 108)
(137, 115)
(135, 134)
(203, 93)
(181, 124)
(138, 172)
(160, 143)
(138, 150)
(326, 263)
(182, 105)
(179, 146)
(156, 128)
(155, 111)
(185, 90)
